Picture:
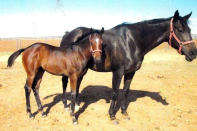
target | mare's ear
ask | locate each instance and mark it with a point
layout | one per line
(91, 30)
(185, 18)
(102, 31)
(176, 15)
(90, 37)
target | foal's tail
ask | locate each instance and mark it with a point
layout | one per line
(12, 58)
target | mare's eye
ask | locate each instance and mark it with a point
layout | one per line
(180, 30)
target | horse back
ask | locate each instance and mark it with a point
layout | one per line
(73, 36)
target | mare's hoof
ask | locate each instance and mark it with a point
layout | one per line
(126, 116)
(115, 122)
(75, 122)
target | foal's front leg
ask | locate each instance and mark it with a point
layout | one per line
(73, 85)
(80, 78)
(64, 98)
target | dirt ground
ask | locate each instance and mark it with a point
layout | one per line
(163, 96)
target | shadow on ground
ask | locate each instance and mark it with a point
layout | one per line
(92, 94)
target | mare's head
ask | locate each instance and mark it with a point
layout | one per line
(96, 42)
(180, 36)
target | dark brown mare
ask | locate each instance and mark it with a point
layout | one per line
(125, 45)
(69, 62)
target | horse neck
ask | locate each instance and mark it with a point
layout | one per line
(153, 34)
(84, 47)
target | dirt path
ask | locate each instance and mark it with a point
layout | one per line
(163, 96)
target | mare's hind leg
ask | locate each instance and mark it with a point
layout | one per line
(127, 82)
(27, 95)
(64, 98)
(35, 87)
(117, 76)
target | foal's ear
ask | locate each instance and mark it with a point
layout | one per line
(185, 18)
(90, 38)
(176, 15)
(91, 30)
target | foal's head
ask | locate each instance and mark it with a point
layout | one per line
(180, 36)
(96, 45)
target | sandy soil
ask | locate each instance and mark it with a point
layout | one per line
(163, 96)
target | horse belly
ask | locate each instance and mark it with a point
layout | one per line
(56, 66)
(133, 67)
(55, 70)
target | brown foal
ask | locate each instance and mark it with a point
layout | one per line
(65, 61)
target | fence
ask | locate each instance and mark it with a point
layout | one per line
(13, 44)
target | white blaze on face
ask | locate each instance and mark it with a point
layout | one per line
(97, 40)
(97, 43)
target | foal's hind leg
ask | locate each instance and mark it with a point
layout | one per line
(35, 87)
(64, 98)
(28, 87)
(27, 94)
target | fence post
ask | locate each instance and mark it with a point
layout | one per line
(18, 44)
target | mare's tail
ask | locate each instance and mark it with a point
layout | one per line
(12, 58)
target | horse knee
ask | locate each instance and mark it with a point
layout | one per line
(125, 92)
(115, 96)
(27, 89)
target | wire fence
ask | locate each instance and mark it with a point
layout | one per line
(13, 44)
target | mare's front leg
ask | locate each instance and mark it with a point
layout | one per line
(117, 76)
(73, 85)
(64, 86)
(127, 82)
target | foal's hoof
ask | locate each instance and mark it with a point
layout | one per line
(44, 115)
(31, 116)
(75, 122)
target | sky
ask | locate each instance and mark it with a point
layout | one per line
(39, 18)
